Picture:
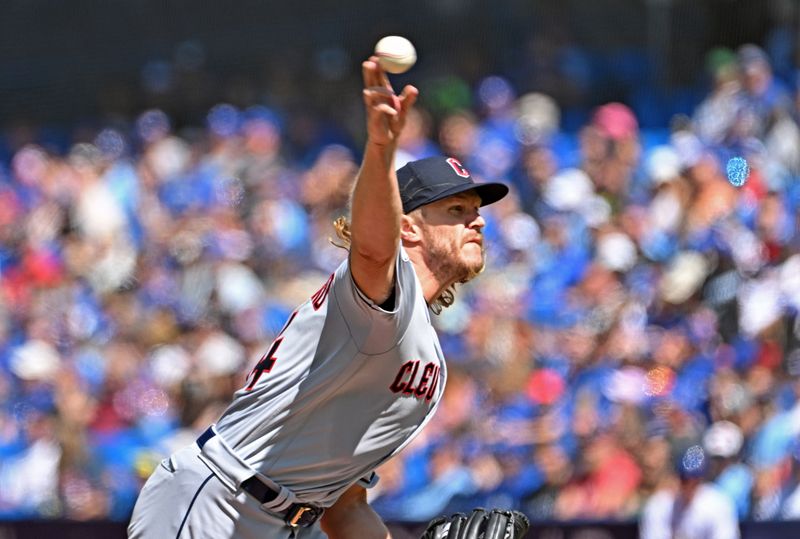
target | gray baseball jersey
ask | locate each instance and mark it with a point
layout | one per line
(343, 387)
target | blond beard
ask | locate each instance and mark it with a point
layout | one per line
(449, 266)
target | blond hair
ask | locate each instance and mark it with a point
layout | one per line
(342, 227)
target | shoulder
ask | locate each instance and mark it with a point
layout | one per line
(402, 262)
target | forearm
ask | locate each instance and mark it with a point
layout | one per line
(376, 206)
(360, 521)
(376, 211)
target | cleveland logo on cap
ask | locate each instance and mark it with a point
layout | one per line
(458, 167)
(434, 178)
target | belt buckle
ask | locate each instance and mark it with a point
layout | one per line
(301, 515)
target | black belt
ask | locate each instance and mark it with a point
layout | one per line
(298, 514)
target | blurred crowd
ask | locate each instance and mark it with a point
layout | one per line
(636, 302)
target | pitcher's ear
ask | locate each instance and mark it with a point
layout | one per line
(409, 229)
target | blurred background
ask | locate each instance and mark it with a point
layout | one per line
(169, 173)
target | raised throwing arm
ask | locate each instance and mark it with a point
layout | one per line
(376, 207)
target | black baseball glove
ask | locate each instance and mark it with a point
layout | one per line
(480, 524)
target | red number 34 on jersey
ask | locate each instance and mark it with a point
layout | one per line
(267, 361)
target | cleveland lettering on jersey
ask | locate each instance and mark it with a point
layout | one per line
(404, 382)
(320, 295)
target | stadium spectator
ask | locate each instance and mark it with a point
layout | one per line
(694, 510)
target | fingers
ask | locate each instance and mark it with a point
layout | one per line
(382, 99)
(381, 116)
(374, 75)
(380, 90)
(368, 72)
(386, 110)
(408, 97)
(376, 80)
(402, 103)
(386, 95)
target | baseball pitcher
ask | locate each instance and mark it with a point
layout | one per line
(355, 373)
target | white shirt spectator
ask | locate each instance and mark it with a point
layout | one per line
(791, 506)
(709, 515)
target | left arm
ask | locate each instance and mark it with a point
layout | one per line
(351, 516)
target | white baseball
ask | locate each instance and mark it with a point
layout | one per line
(395, 54)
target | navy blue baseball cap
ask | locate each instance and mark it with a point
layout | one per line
(434, 178)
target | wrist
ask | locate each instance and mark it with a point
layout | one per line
(382, 150)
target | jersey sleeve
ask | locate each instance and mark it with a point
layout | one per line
(376, 330)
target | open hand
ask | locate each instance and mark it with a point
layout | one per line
(386, 111)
